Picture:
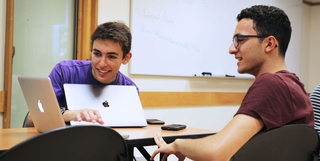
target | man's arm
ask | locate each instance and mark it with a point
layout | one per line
(221, 146)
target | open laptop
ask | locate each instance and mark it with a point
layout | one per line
(42, 103)
(118, 105)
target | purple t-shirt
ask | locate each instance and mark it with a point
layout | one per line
(278, 99)
(79, 72)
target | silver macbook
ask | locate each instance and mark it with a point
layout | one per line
(42, 103)
(118, 105)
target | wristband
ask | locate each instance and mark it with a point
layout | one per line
(62, 110)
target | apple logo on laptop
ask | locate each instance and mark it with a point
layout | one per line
(105, 103)
(40, 106)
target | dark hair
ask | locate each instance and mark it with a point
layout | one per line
(116, 31)
(269, 20)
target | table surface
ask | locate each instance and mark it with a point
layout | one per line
(137, 136)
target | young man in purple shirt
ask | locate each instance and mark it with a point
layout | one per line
(111, 45)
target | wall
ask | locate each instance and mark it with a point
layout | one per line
(309, 47)
(314, 43)
(306, 14)
(2, 42)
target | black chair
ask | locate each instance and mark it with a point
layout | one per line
(286, 143)
(25, 121)
(78, 143)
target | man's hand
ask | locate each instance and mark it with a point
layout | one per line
(87, 115)
(165, 148)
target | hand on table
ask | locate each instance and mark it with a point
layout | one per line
(87, 115)
(166, 149)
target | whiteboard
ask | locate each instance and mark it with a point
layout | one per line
(188, 37)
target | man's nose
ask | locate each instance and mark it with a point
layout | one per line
(232, 49)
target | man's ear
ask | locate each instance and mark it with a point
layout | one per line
(127, 58)
(271, 43)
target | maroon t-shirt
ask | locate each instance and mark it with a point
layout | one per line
(278, 99)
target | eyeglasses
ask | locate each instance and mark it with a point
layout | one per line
(238, 38)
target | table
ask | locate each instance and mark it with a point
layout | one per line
(138, 137)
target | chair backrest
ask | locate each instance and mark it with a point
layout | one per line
(25, 121)
(80, 143)
(289, 142)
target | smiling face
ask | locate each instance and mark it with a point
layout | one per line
(250, 52)
(107, 57)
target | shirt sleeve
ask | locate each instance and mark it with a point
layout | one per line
(315, 101)
(267, 100)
